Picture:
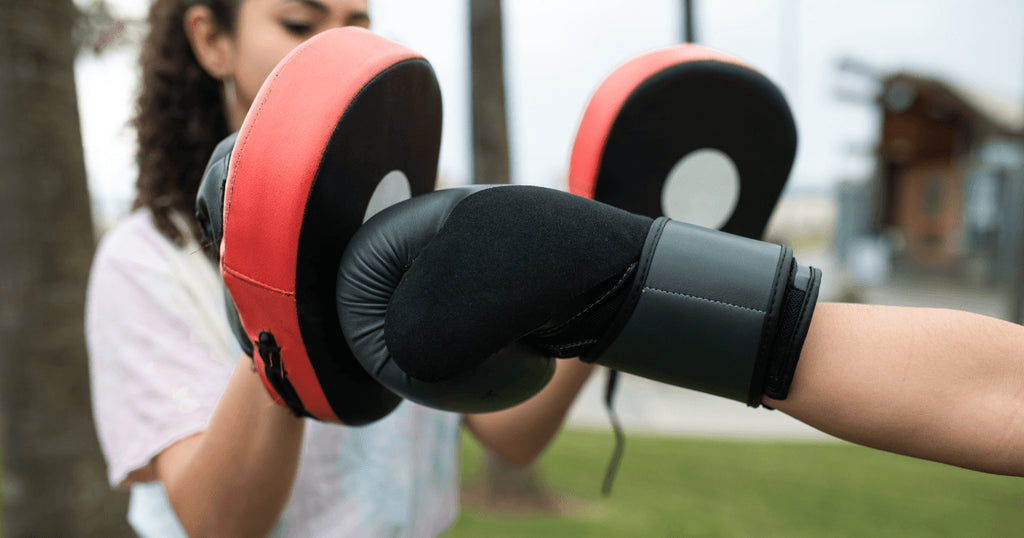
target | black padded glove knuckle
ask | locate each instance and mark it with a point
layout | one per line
(210, 198)
(376, 264)
(210, 214)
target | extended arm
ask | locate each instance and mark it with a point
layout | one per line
(701, 309)
(936, 384)
(234, 478)
(519, 434)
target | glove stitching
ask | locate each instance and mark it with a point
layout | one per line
(627, 273)
(574, 344)
(635, 292)
(250, 280)
(648, 288)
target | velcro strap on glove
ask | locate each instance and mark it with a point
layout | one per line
(713, 312)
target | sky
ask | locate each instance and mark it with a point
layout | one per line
(557, 52)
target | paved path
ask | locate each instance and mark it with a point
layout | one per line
(646, 406)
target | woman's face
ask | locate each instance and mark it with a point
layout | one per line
(268, 30)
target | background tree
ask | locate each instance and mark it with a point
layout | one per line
(506, 486)
(487, 66)
(54, 478)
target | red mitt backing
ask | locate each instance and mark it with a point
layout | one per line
(336, 116)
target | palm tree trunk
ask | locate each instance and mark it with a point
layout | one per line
(490, 129)
(54, 480)
(507, 487)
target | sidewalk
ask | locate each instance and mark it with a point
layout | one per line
(646, 406)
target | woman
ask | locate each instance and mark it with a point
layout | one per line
(183, 422)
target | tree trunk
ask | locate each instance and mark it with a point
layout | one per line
(490, 130)
(506, 487)
(54, 479)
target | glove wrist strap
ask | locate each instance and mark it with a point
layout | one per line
(713, 312)
(795, 321)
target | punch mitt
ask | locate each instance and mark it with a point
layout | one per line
(690, 133)
(459, 299)
(344, 117)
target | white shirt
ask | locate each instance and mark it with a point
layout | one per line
(161, 354)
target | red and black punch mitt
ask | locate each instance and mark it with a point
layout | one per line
(346, 114)
(653, 124)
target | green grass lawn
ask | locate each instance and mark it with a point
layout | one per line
(687, 487)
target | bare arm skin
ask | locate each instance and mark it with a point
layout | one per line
(519, 434)
(235, 477)
(942, 385)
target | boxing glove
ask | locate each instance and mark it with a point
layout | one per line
(209, 201)
(459, 299)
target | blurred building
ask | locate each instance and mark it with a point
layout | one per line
(948, 192)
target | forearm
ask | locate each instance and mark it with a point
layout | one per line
(519, 434)
(941, 385)
(235, 477)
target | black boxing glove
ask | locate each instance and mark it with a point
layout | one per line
(458, 299)
(209, 213)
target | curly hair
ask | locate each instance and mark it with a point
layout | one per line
(180, 115)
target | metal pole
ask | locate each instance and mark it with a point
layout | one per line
(1017, 290)
(688, 27)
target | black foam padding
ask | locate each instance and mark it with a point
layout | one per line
(394, 123)
(210, 214)
(505, 261)
(695, 105)
(210, 197)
